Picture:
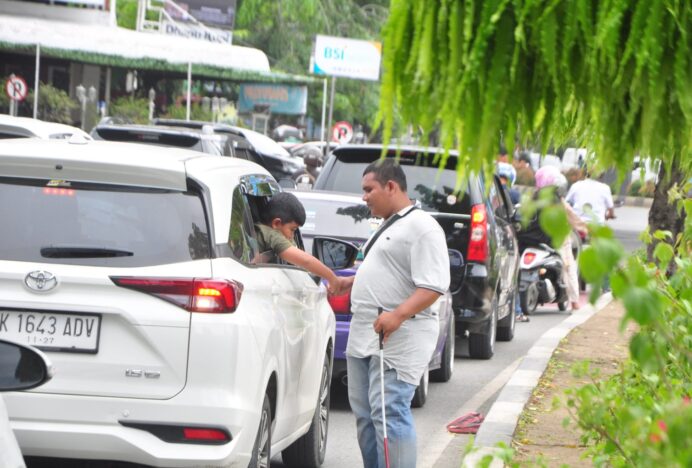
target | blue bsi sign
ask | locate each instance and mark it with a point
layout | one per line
(281, 99)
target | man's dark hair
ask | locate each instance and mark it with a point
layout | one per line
(387, 170)
(286, 207)
(524, 156)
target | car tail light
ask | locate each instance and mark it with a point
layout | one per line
(183, 434)
(341, 304)
(529, 257)
(192, 294)
(478, 243)
(203, 434)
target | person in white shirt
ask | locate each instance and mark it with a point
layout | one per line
(591, 200)
(405, 270)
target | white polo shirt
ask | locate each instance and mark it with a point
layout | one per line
(410, 254)
(590, 199)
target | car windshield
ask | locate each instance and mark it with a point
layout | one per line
(172, 139)
(427, 184)
(100, 225)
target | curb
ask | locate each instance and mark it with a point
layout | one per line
(503, 416)
(636, 201)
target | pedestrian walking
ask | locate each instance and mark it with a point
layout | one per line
(404, 270)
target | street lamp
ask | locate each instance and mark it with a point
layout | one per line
(152, 96)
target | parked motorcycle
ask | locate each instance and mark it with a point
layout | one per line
(540, 279)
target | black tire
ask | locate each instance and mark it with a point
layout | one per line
(309, 450)
(529, 299)
(444, 373)
(421, 394)
(482, 345)
(505, 326)
(562, 306)
(261, 452)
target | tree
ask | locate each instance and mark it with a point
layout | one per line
(285, 30)
(612, 75)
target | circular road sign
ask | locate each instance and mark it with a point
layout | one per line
(16, 88)
(342, 132)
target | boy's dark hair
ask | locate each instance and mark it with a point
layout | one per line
(286, 207)
(387, 170)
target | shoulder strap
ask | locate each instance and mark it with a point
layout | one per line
(383, 228)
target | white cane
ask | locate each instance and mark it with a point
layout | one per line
(384, 413)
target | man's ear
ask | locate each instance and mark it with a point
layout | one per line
(276, 223)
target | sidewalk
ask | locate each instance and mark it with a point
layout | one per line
(540, 433)
(523, 415)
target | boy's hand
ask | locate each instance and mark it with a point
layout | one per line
(340, 285)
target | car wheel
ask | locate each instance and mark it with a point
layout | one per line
(261, 452)
(505, 327)
(482, 345)
(309, 450)
(421, 394)
(529, 299)
(444, 373)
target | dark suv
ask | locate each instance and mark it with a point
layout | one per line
(477, 221)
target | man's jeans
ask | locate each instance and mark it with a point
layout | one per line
(366, 403)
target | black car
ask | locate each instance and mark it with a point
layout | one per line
(246, 144)
(476, 218)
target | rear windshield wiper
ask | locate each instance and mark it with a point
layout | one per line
(83, 252)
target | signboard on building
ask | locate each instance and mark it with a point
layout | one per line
(350, 58)
(197, 32)
(216, 13)
(281, 99)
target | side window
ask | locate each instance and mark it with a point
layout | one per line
(241, 237)
(496, 202)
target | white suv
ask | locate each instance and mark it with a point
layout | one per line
(134, 269)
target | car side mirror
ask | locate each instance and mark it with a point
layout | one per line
(337, 254)
(456, 269)
(22, 367)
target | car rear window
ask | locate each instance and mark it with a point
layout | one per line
(100, 225)
(432, 187)
(176, 140)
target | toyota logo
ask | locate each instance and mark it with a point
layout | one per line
(40, 280)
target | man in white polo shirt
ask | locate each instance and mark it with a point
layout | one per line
(591, 200)
(405, 269)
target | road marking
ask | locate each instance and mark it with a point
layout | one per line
(442, 438)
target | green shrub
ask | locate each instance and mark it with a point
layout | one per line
(54, 105)
(130, 109)
(197, 112)
(642, 415)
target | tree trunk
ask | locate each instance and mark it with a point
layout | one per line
(663, 215)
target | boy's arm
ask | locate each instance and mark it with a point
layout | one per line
(297, 257)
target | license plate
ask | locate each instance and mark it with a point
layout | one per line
(52, 331)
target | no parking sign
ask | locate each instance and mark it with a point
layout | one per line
(16, 88)
(342, 132)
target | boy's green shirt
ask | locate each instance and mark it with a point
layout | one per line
(271, 239)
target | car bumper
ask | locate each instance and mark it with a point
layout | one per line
(89, 428)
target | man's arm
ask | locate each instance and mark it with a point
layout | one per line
(420, 300)
(297, 257)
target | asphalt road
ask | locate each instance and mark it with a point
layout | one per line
(473, 387)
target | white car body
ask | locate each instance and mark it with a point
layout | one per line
(156, 363)
(26, 127)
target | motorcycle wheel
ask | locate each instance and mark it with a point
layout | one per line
(529, 299)
(562, 306)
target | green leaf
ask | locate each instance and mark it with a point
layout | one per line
(619, 283)
(663, 235)
(642, 305)
(591, 266)
(553, 221)
(643, 351)
(664, 253)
